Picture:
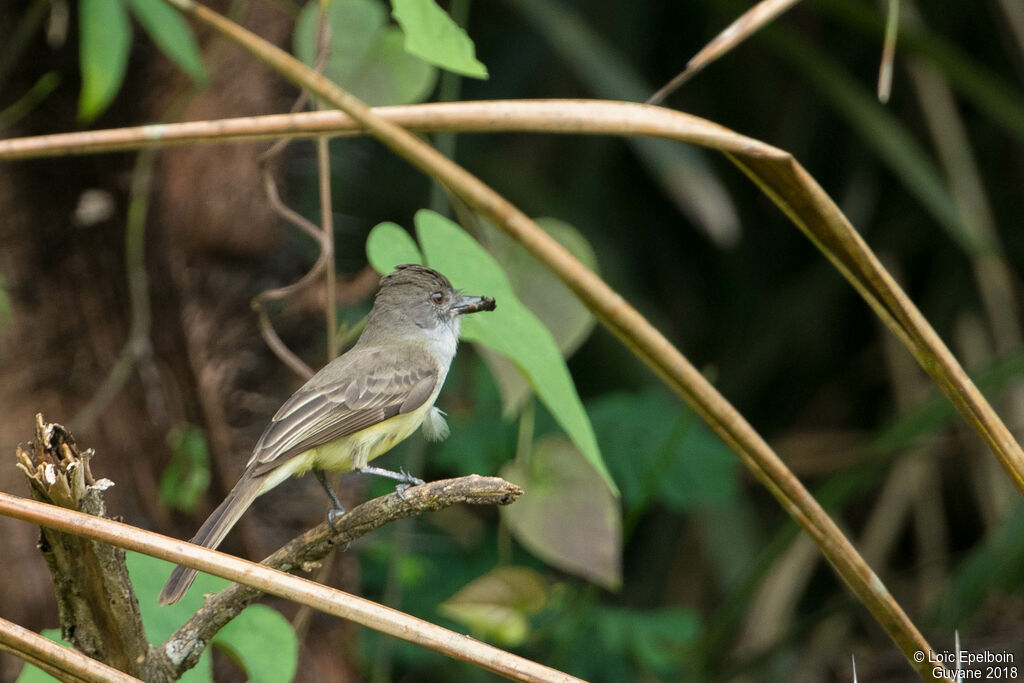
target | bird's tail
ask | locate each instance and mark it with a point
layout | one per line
(210, 534)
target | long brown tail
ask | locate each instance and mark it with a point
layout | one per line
(211, 533)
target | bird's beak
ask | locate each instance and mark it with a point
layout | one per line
(472, 304)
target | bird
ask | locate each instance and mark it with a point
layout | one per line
(358, 406)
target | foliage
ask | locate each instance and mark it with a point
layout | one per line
(366, 55)
(432, 35)
(106, 36)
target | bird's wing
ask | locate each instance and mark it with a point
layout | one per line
(356, 391)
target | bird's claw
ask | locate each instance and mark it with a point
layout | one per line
(333, 515)
(410, 480)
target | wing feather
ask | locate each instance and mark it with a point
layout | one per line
(357, 390)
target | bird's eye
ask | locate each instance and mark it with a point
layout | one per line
(437, 297)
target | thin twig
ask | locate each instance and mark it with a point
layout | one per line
(323, 168)
(324, 236)
(746, 25)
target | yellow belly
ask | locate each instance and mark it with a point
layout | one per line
(352, 451)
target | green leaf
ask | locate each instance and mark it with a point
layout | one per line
(172, 35)
(496, 606)
(389, 246)
(366, 55)
(567, 519)
(433, 36)
(561, 311)
(105, 36)
(512, 330)
(187, 475)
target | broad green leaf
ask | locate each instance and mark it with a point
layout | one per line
(388, 245)
(567, 518)
(172, 35)
(187, 475)
(105, 34)
(433, 36)
(512, 330)
(366, 55)
(657, 449)
(569, 320)
(390, 75)
(497, 606)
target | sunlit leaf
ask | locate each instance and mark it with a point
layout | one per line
(433, 36)
(105, 34)
(389, 245)
(566, 517)
(497, 606)
(513, 330)
(172, 34)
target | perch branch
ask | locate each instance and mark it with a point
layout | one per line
(304, 552)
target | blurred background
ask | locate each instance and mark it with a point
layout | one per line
(716, 583)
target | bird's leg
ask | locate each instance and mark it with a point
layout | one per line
(337, 509)
(404, 479)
